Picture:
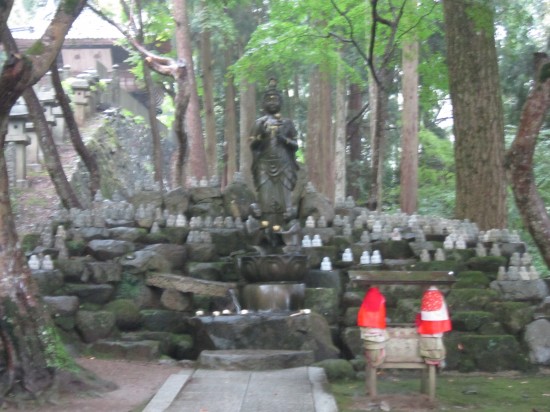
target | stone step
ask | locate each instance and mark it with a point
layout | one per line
(168, 392)
(254, 359)
(145, 350)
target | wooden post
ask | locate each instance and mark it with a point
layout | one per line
(431, 382)
(371, 381)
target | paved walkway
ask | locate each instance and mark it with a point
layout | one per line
(303, 389)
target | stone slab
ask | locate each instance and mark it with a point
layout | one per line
(301, 389)
(168, 392)
(188, 284)
(247, 359)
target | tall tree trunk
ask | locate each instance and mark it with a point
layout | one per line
(247, 119)
(320, 141)
(51, 156)
(519, 159)
(313, 135)
(409, 138)
(477, 113)
(340, 140)
(74, 132)
(196, 157)
(153, 124)
(208, 100)
(229, 126)
(31, 347)
(379, 98)
(353, 133)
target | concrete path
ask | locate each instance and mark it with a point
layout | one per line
(303, 389)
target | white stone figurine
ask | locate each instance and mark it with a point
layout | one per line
(326, 264)
(365, 258)
(376, 258)
(306, 241)
(34, 263)
(310, 222)
(425, 256)
(439, 255)
(316, 241)
(347, 256)
(396, 234)
(47, 263)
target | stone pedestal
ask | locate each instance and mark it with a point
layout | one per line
(268, 297)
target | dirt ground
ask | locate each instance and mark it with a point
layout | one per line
(137, 383)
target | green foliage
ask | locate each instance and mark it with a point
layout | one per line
(37, 48)
(436, 175)
(56, 355)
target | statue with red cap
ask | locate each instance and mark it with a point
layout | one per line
(432, 322)
(371, 319)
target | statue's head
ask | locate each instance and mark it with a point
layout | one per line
(273, 100)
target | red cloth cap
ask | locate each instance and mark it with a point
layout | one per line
(372, 313)
(434, 316)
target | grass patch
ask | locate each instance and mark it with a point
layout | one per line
(504, 392)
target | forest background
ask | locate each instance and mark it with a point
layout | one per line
(372, 87)
(369, 84)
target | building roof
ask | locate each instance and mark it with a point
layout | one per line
(88, 25)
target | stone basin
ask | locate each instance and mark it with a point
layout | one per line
(273, 268)
(272, 297)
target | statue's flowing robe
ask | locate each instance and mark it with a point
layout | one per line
(274, 166)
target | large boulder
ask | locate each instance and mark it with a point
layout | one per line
(103, 272)
(521, 290)
(316, 204)
(143, 261)
(265, 331)
(93, 326)
(176, 201)
(96, 294)
(62, 305)
(109, 249)
(237, 198)
(537, 337)
(175, 255)
(49, 281)
(127, 315)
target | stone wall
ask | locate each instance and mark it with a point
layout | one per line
(105, 294)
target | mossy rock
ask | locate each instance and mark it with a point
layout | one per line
(181, 347)
(130, 286)
(76, 247)
(396, 293)
(337, 369)
(175, 235)
(29, 242)
(406, 311)
(394, 249)
(489, 353)
(468, 321)
(470, 299)
(487, 264)
(460, 255)
(341, 242)
(165, 321)
(126, 313)
(471, 279)
(514, 316)
(155, 238)
(436, 265)
(324, 301)
(492, 328)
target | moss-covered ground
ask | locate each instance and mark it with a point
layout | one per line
(503, 392)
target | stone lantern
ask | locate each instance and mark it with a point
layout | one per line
(16, 134)
(81, 88)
